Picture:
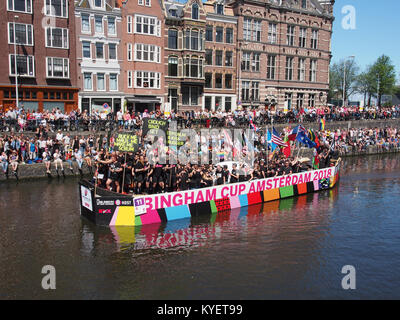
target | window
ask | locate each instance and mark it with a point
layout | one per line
(99, 50)
(147, 3)
(85, 23)
(195, 11)
(112, 51)
(193, 40)
(111, 26)
(190, 95)
(147, 53)
(147, 79)
(314, 39)
(218, 80)
(20, 5)
(311, 100)
(209, 33)
(173, 98)
(219, 34)
(57, 8)
(228, 81)
(229, 58)
(129, 24)
(245, 90)
(57, 67)
(129, 51)
(100, 82)
(218, 57)
(302, 69)
(209, 54)
(173, 66)
(289, 68)
(140, 2)
(173, 39)
(290, 36)
(229, 35)
(228, 104)
(193, 67)
(25, 65)
(87, 81)
(208, 83)
(272, 38)
(257, 30)
(147, 25)
(246, 61)
(255, 63)
(313, 70)
(255, 91)
(247, 29)
(304, 4)
(300, 100)
(98, 24)
(302, 37)
(98, 3)
(219, 8)
(57, 38)
(288, 100)
(23, 33)
(271, 67)
(129, 79)
(86, 49)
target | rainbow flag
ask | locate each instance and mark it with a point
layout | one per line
(321, 124)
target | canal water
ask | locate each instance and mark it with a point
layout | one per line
(291, 249)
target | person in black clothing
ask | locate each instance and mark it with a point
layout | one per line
(183, 179)
(158, 177)
(114, 172)
(139, 174)
(219, 174)
(234, 176)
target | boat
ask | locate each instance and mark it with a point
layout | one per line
(107, 208)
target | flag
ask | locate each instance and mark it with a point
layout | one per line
(277, 139)
(253, 126)
(269, 141)
(321, 124)
(295, 131)
(286, 150)
(315, 162)
(301, 137)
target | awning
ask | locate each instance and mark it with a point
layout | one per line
(143, 99)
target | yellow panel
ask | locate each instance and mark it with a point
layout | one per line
(126, 216)
(124, 234)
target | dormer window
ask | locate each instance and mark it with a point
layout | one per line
(304, 4)
(98, 3)
(219, 8)
(173, 12)
(195, 11)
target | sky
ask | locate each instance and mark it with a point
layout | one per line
(376, 32)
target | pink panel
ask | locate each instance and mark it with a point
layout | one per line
(235, 203)
(150, 217)
(114, 218)
(316, 185)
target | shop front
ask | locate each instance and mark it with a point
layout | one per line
(141, 103)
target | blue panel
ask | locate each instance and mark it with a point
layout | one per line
(179, 212)
(243, 200)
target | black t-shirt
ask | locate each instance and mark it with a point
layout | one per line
(139, 165)
(233, 179)
(115, 166)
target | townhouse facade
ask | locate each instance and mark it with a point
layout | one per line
(99, 55)
(37, 69)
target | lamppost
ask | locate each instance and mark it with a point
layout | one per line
(377, 92)
(344, 78)
(15, 63)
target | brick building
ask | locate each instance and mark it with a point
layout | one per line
(99, 54)
(220, 56)
(143, 54)
(284, 52)
(41, 35)
(184, 54)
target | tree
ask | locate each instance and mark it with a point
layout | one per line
(346, 71)
(384, 72)
(364, 85)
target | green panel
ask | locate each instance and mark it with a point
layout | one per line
(286, 192)
(138, 221)
(213, 218)
(213, 207)
(286, 204)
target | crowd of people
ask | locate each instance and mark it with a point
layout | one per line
(133, 172)
(20, 120)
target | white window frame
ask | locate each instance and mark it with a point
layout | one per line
(97, 81)
(65, 60)
(129, 24)
(129, 52)
(141, 47)
(271, 66)
(302, 69)
(26, 2)
(109, 81)
(102, 24)
(290, 35)
(90, 25)
(289, 68)
(157, 79)
(108, 26)
(26, 31)
(11, 64)
(130, 79)
(156, 25)
(48, 12)
(147, 3)
(104, 53)
(91, 81)
(116, 51)
(272, 33)
(65, 31)
(303, 37)
(90, 50)
(313, 70)
(140, 2)
(314, 39)
(102, 4)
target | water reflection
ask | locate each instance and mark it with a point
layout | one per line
(196, 232)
